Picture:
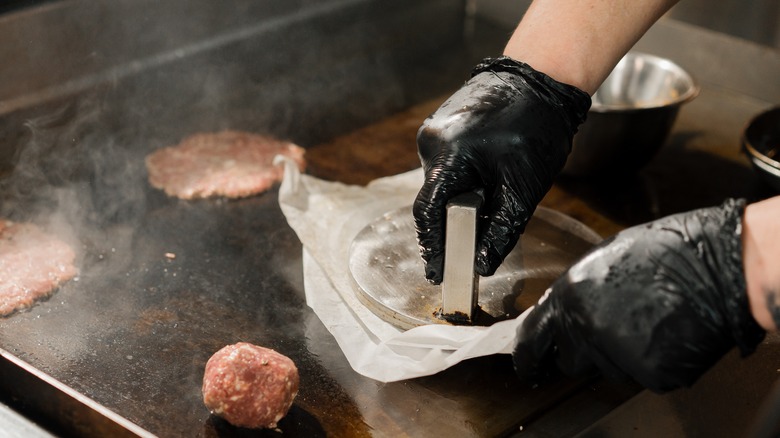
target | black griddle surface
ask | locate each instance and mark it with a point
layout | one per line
(153, 301)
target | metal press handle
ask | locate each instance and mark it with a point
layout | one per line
(460, 285)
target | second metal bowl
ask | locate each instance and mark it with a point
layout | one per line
(761, 143)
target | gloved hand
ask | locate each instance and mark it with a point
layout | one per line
(659, 303)
(507, 131)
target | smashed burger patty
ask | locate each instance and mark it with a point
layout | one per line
(32, 265)
(232, 164)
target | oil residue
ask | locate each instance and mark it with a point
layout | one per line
(456, 318)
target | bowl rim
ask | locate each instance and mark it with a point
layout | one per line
(766, 168)
(747, 144)
(689, 95)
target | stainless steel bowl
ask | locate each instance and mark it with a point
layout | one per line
(631, 116)
(761, 143)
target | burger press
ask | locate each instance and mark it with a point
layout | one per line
(389, 279)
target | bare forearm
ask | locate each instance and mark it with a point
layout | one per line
(578, 42)
(761, 258)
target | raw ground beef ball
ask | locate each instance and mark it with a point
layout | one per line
(250, 386)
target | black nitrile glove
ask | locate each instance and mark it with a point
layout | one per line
(659, 303)
(508, 132)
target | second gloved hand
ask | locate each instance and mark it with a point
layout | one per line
(659, 303)
(506, 132)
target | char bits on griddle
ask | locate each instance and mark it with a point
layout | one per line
(33, 264)
(250, 386)
(230, 164)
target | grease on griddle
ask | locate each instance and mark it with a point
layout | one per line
(455, 318)
(481, 317)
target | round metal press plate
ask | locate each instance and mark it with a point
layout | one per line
(388, 274)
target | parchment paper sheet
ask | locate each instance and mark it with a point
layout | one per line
(327, 216)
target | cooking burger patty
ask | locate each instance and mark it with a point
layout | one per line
(233, 164)
(250, 386)
(32, 264)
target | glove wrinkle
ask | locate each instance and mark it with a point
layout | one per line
(746, 332)
(572, 102)
(534, 361)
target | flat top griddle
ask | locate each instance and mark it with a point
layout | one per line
(134, 332)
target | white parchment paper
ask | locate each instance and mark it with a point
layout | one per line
(327, 216)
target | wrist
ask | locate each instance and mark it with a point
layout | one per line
(567, 71)
(578, 42)
(760, 237)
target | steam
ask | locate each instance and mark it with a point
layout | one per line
(78, 180)
(70, 166)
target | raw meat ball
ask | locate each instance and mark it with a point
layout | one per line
(250, 386)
